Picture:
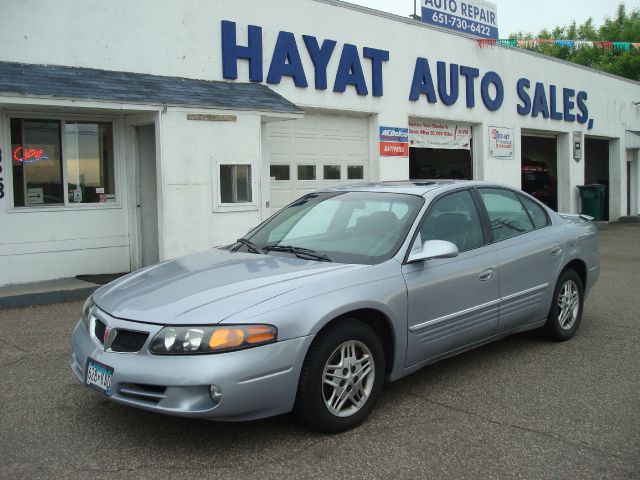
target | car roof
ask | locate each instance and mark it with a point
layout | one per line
(411, 187)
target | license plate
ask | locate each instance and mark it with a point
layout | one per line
(99, 377)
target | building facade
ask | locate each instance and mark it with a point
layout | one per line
(140, 131)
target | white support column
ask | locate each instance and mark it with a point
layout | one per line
(617, 180)
(389, 168)
(570, 175)
(480, 148)
(633, 157)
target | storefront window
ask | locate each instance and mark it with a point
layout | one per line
(89, 158)
(37, 161)
(235, 183)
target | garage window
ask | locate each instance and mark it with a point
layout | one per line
(306, 172)
(355, 172)
(235, 184)
(280, 173)
(57, 162)
(332, 172)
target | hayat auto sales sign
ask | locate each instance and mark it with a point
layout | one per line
(439, 135)
(475, 17)
(394, 142)
(500, 142)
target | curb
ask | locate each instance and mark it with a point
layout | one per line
(46, 298)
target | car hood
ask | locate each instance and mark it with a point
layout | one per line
(207, 287)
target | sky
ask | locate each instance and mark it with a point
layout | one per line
(526, 16)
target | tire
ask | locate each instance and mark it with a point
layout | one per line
(562, 323)
(353, 395)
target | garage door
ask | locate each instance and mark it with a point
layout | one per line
(316, 151)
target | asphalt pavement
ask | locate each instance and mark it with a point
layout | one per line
(519, 408)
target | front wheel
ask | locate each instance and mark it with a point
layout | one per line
(566, 307)
(341, 378)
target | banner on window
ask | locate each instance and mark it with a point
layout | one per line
(500, 142)
(427, 134)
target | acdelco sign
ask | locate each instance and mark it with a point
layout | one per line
(394, 142)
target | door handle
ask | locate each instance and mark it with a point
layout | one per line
(557, 250)
(487, 275)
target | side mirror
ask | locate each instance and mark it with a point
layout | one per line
(432, 250)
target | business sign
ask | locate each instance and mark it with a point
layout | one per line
(439, 135)
(501, 142)
(308, 62)
(475, 17)
(394, 142)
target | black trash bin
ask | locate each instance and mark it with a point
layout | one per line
(593, 200)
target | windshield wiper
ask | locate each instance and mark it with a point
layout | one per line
(252, 247)
(298, 252)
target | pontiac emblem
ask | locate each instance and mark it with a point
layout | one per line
(108, 338)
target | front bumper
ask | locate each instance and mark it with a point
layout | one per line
(256, 383)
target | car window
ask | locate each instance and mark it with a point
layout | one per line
(313, 221)
(348, 227)
(536, 212)
(507, 216)
(455, 219)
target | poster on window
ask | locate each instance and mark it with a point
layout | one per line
(500, 142)
(450, 136)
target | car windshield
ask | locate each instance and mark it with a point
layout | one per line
(343, 227)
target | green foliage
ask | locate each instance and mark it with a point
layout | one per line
(624, 26)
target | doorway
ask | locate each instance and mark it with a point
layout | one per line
(147, 195)
(596, 167)
(436, 163)
(539, 168)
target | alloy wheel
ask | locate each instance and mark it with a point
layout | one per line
(348, 378)
(568, 305)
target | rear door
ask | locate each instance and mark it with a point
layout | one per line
(452, 302)
(530, 253)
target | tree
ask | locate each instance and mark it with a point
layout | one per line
(624, 26)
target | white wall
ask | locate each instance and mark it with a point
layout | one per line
(191, 152)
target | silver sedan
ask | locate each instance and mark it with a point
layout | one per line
(343, 289)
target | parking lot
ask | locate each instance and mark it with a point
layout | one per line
(520, 408)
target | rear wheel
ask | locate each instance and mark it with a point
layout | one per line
(341, 378)
(566, 307)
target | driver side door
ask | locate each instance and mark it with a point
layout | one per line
(452, 302)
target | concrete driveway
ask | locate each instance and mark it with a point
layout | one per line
(519, 408)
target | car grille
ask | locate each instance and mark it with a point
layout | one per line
(99, 331)
(129, 341)
(126, 341)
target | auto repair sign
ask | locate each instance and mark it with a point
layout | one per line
(394, 142)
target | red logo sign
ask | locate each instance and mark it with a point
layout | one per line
(28, 155)
(394, 149)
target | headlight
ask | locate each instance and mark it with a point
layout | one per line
(203, 340)
(87, 309)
